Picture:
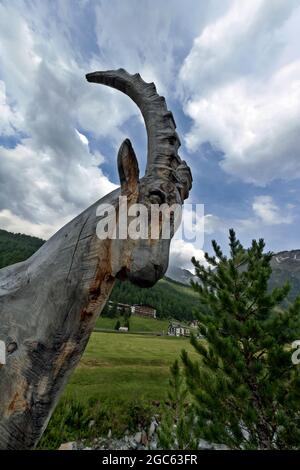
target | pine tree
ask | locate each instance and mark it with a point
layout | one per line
(127, 323)
(245, 388)
(174, 431)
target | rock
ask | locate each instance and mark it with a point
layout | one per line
(220, 447)
(152, 428)
(156, 403)
(204, 445)
(132, 443)
(67, 446)
(153, 445)
(138, 437)
(144, 438)
(109, 434)
(91, 423)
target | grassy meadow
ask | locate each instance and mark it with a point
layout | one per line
(124, 367)
(137, 324)
(121, 381)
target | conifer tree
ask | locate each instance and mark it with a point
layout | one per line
(174, 431)
(245, 388)
(127, 323)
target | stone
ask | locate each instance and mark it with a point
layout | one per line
(204, 445)
(220, 447)
(144, 438)
(152, 429)
(138, 437)
(132, 444)
(67, 446)
(153, 445)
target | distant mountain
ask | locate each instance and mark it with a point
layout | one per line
(286, 267)
(183, 276)
(169, 298)
(172, 296)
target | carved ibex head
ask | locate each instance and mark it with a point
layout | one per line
(167, 180)
(49, 303)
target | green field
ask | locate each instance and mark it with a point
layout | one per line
(123, 367)
(137, 324)
(121, 381)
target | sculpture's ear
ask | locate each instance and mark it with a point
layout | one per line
(128, 168)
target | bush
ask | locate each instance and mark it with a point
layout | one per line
(245, 391)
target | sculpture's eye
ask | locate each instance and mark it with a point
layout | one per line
(157, 197)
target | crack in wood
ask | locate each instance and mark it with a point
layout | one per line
(76, 246)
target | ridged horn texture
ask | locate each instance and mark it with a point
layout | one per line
(163, 141)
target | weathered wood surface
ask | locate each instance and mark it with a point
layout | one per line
(49, 304)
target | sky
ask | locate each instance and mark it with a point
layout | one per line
(230, 72)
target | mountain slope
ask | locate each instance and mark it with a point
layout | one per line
(184, 276)
(169, 298)
(15, 247)
(172, 297)
(286, 267)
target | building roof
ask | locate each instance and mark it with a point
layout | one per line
(144, 305)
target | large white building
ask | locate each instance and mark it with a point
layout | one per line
(176, 329)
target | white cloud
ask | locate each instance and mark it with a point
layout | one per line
(148, 36)
(181, 253)
(264, 213)
(239, 84)
(269, 213)
(10, 119)
(51, 175)
(37, 189)
(241, 87)
(15, 224)
(212, 223)
(83, 138)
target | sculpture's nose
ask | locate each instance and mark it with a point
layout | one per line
(147, 276)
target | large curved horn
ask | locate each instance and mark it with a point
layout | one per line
(163, 141)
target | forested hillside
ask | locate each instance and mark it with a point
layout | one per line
(15, 247)
(170, 298)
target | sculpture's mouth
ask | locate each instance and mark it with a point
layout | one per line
(145, 277)
(91, 77)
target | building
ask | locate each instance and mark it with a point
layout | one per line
(137, 309)
(143, 311)
(122, 308)
(123, 329)
(176, 329)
